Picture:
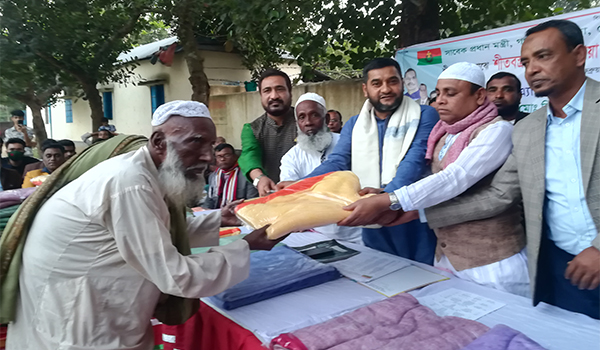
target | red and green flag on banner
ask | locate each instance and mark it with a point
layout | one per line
(432, 56)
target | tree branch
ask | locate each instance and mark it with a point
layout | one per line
(60, 65)
(44, 96)
(121, 33)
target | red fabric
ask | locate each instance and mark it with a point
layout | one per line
(166, 56)
(288, 341)
(3, 330)
(299, 186)
(206, 330)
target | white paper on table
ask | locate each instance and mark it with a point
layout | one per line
(205, 212)
(455, 302)
(404, 280)
(368, 266)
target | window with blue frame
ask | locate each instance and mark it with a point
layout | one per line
(107, 98)
(69, 110)
(157, 93)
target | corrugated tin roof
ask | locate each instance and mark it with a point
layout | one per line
(145, 51)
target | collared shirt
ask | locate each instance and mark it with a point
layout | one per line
(12, 133)
(486, 153)
(98, 255)
(566, 213)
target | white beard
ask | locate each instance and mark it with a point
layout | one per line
(179, 189)
(315, 143)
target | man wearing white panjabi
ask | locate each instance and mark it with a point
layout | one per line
(102, 249)
(314, 144)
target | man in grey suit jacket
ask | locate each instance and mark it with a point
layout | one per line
(555, 169)
(221, 190)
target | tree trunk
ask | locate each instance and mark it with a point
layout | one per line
(39, 129)
(193, 58)
(34, 103)
(420, 22)
(95, 101)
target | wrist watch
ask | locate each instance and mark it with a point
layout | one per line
(395, 202)
(257, 179)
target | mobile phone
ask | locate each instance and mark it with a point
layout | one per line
(20, 122)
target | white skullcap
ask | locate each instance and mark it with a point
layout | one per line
(311, 96)
(190, 109)
(464, 71)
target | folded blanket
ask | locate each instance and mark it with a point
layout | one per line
(5, 214)
(12, 197)
(397, 323)
(306, 204)
(279, 271)
(502, 337)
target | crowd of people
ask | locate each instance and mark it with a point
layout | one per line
(460, 179)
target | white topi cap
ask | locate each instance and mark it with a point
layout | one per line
(191, 109)
(464, 71)
(311, 96)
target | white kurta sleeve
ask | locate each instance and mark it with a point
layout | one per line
(204, 230)
(137, 218)
(289, 166)
(486, 153)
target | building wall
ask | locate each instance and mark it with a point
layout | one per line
(231, 112)
(230, 105)
(132, 108)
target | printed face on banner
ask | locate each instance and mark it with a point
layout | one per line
(411, 82)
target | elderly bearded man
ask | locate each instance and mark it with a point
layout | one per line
(314, 144)
(384, 145)
(466, 147)
(102, 248)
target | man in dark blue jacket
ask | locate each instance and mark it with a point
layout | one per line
(385, 147)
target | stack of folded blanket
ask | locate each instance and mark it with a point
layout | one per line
(9, 198)
(10, 201)
(272, 273)
(397, 323)
(401, 323)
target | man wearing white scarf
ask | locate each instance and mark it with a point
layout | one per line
(385, 146)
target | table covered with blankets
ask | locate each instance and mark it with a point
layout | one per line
(342, 314)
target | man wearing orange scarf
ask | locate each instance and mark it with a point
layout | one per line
(465, 148)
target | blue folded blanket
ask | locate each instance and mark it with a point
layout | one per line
(279, 271)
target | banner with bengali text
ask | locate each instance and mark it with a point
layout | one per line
(494, 51)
